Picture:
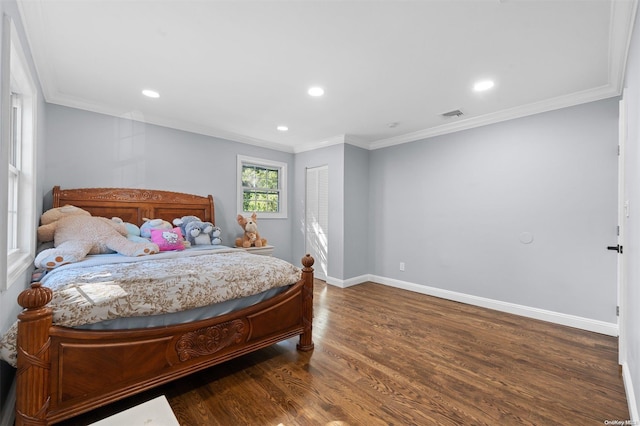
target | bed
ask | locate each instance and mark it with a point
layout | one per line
(64, 371)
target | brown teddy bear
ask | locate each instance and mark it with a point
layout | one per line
(75, 234)
(251, 237)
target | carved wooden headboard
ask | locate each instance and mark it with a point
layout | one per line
(132, 205)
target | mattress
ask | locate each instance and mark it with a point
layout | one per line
(109, 292)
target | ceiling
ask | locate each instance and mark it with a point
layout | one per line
(238, 69)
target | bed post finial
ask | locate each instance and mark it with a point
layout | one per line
(306, 342)
(32, 377)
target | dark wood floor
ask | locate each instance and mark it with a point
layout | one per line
(385, 356)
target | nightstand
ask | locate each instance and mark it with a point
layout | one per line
(264, 251)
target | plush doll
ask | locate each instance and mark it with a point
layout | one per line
(251, 236)
(75, 234)
(198, 233)
(215, 236)
(169, 239)
(133, 231)
(149, 224)
(183, 221)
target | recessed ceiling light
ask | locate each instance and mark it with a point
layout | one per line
(316, 91)
(282, 128)
(483, 85)
(151, 93)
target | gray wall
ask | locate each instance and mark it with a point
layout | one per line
(452, 208)
(348, 208)
(455, 207)
(358, 235)
(9, 308)
(630, 350)
(85, 149)
(333, 157)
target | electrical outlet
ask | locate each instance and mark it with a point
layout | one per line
(402, 266)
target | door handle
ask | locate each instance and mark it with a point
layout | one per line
(617, 248)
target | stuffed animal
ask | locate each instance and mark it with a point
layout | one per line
(183, 221)
(46, 231)
(215, 236)
(198, 233)
(133, 231)
(75, 234)
(251, 236)
(169, 239)
(149, 224)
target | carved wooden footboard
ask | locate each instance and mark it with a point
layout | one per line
(63, 372)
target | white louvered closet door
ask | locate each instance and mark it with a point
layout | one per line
(317, 218)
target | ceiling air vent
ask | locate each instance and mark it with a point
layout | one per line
(454, 113)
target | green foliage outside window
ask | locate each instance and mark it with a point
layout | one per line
(261, 192)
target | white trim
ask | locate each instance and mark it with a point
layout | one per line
(622, 19)
(573, 99)
(17, 76)
(19, 264)
(282, 181)
(602, 327)
(610, 329)
(560, 102)
(36, 30)
(348, 282)
(5, 135)
(622, 16)
(334, 140)
(316, 217)
(622, 231)
(172, 123)
(631, 395)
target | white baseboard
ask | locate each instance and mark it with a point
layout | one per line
(348, 282)
(609, 329)
(631, 395)
(8, 415)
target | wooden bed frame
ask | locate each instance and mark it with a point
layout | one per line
(63, 372)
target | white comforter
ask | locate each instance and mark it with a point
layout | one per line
(106, 287)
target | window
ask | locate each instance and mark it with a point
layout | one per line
(262, 187)
(17, 165)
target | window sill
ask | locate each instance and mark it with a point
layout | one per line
(18, 266)
(264, 215)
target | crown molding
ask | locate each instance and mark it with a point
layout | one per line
(622, 18)
(35, 32)
(139, 116)
(591, 95)
(357, 141)
(334, 140)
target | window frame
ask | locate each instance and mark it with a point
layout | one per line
(17, 80)
(242, 161)
(15, 171)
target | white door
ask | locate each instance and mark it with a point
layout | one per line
(317, 219)
(623, 214)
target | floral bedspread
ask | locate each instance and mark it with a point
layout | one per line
(98, 290)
